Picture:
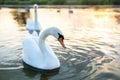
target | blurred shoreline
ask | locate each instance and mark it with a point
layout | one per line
(61, 6)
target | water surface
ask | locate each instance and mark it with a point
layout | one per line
(92, 38)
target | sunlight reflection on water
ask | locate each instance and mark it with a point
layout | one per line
(91, 36)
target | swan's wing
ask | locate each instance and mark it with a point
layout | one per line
(39, 26)
(31, 52)
(29, 24)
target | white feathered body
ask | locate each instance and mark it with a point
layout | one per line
(41, 57)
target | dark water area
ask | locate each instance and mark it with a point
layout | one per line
(92, 38)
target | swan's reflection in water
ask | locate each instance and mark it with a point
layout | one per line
(44, 74)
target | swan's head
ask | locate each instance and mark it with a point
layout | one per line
(35, 6)
(60, 39)
(57, 34)
(54, 32)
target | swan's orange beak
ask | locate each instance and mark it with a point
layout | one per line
(61, 42)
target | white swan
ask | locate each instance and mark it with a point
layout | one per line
(38, 54)
(36, 23)
(33, 25)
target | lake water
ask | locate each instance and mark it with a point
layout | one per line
(92, 38)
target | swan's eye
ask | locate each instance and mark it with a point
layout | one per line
(60, 36)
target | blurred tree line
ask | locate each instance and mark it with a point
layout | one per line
(62, 2)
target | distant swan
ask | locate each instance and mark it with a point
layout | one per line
(38, 54)
(33, 25)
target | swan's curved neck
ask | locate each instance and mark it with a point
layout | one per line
(43, 34)
(42, 38)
